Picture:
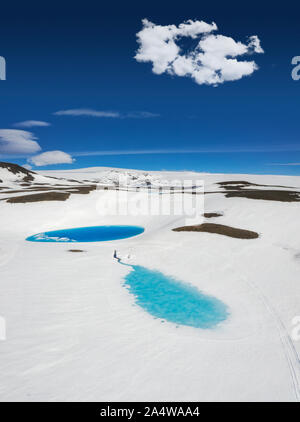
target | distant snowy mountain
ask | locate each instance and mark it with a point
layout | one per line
(124, 178)
(13, 175)
(18, 184)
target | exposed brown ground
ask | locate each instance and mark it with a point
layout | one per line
(75, 250)
(82, 189)
(74, 189)
(38, 197)
(267, 195)
(231, 184)
(212, 214)
(234, 182)
(243, 189)
(219, 229)
(48, 193)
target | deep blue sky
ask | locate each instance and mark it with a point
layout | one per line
(63, 55)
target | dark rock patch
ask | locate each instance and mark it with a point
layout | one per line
(267, 195)
(212, 214)
(82, 189)
(39, 197)
(16, 169)
(28, 178)
(67, 189)
(76, 181)
(234, 182)
(240, 184)
(219, 229)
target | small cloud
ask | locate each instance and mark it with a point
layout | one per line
(284, 164)
(15, 141)
(86, 112)
(212, 62)
(140, 115)
(51, 157)
(32, 123)
(113, 114)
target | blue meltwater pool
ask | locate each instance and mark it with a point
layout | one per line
(88, 234)
(172, 300)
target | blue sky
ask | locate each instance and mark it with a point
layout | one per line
(82, 57)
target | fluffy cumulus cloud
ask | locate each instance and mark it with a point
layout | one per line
(15, 141)
(51, 157)
(32, 123)
(213, 60)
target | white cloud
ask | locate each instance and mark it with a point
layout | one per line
(86, 112)
(32, 123)
(285, 164)
(51, 157)
(255, 44)
(187, 150)
(15, 141)
(212, 62)
(139, 115)
(97, 113)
